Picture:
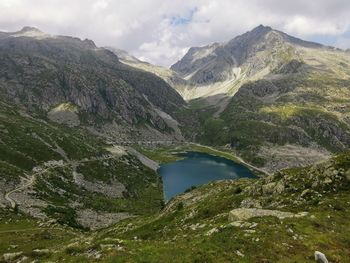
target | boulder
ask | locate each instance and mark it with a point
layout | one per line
(241, 214)
(320, 257)
(8, 257)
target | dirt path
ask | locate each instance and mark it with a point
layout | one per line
(30, 182)
(32, 179)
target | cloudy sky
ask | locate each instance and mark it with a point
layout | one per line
(161, 31)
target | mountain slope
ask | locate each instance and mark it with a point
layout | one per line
(168, 75)
(61, 99)
(252, 52)
(284, 217)
(44, 73)
(288, 106)
(223, 67)
(67, 175)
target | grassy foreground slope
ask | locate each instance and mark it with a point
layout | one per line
(210, 223)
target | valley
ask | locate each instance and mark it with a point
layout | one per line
(239, 152)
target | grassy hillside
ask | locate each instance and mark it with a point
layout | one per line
(52, 171)
(209, 223)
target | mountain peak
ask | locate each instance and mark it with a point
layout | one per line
(261, 27)
(257, 31)
(29, 29)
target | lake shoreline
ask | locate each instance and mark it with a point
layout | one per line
(196, 169)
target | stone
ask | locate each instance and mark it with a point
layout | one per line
(250, 203)
(235, 224)
(40, 252)
(347, 174)
(212, 231)
(320, 257)
(107, 246)
(241, 214)
(305, 192)
(239, 253)
(11, 256)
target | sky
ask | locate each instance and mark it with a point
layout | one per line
(161, 31)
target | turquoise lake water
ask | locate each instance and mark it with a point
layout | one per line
(197, 169)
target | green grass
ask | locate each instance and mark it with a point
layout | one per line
(178, 233)
(21, 233)
(159, 154)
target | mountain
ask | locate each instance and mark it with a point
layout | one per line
(65, 104)
(277, 100)
(222, 67)
(168, 75)
(73, 81)
(248, 54)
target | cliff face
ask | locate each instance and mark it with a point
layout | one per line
(41, 72)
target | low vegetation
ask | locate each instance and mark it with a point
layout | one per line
(196, 227)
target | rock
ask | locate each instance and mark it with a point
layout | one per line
(235, 224)
(7, 257)
(250, 203)
(347, 174)
(22, 259)
(13, 246)
(239, 253)
(320, 257)
(212, 231)
(305, 192)
(241, 214)
(107, 246)
(41, 252)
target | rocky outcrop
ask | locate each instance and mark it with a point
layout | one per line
(241, 214)
(95, 220)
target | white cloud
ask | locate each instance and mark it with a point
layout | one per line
(304, 26)
(161, 31)
(343, 42)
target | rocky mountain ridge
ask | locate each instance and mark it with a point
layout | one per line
(222, 68)
(277, 100)
(42, 72)
(216, 62)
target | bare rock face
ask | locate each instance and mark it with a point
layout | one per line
(42, 72)
(65, 114)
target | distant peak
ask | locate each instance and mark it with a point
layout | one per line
(30, 29)
(262, 28)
